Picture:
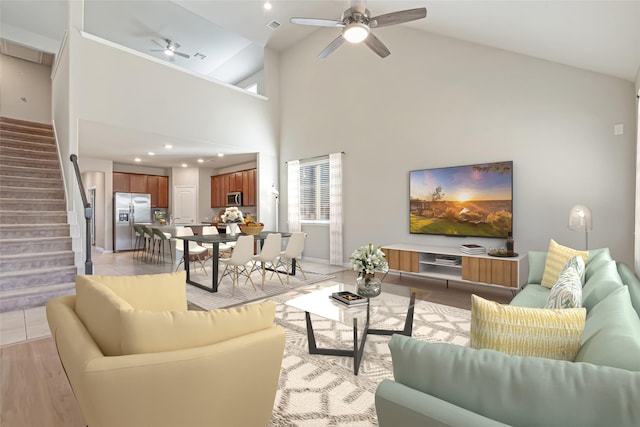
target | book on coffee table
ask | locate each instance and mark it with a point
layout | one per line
(348, 298)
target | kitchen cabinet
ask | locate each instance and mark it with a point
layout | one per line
(244, 181)
(156, 185)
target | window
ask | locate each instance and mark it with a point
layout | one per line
(314, 191)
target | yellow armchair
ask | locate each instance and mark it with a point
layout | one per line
(135, 356)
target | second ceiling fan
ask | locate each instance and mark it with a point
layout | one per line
(356, 24)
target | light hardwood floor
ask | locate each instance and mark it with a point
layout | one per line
(35, 391)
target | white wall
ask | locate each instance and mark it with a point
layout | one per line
(24, 79)
(437, 101)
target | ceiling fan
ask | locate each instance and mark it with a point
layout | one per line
(169, 48)
(357, 23)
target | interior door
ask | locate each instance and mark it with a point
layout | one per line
(184, 200)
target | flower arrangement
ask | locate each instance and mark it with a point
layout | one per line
(232, 215)
(369, 259)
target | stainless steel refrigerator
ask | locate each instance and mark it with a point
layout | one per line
(129, 208)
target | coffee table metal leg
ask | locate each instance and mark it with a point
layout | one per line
(408, 322)
(356, 353)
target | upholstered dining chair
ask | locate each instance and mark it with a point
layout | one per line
(292, 253)
(236, 265)
(196, 252)
(268, 256)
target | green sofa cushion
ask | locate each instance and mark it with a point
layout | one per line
(534, 296)
(611, 335)
(597, 258)
(600, 284)
(632, 282)
(518, 391)
(536, 266)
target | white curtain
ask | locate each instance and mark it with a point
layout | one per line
(293, 195)
(335, 197)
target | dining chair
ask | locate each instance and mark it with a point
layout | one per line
(223, 248)
(268, 255)
(196, 252)
(236, 265)
(159, 237)
(292, 253)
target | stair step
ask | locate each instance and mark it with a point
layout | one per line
(30, 245)
(21, 231)
(25, 123)
(35, 261)
(31, 183)
(33, 296)
(27, 162)
(33, 217)
(20, 136)
(27, 129)
(31, 172)
(27, 145)
(32, 193)
(38, 277)
(29, 153)
(33, 205)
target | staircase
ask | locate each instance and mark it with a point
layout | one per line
(36, 257)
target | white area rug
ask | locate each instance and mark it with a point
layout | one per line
(244, 292)
(320, 390)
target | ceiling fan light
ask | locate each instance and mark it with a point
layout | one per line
(355, 32)
(168, 52)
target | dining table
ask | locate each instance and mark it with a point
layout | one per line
(215, 240)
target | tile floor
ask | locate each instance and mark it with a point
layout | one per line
(24, 325)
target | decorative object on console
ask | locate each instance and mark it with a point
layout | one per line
(525, 331)
(580, 220)
(472, 200)
(472, 249)
(366, 260)
(509, 244)
(557, 257)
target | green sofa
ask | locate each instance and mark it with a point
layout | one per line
(440, 384)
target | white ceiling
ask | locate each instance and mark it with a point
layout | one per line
(601, 36)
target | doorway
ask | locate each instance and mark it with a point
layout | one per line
(185, 207)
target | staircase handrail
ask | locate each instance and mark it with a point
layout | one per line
(88, 213)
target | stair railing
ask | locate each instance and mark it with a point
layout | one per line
(88, 213)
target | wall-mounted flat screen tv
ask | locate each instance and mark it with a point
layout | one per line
(471, 201)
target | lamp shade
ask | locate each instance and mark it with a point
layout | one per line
(580, 218)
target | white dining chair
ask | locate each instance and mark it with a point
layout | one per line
(223, 248)
(236, 265)
(268, 256)
(292, 253)
(196, 252)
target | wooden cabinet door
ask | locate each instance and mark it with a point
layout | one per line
(152, 188)
(163, 191)
(120, 182)
(137, 183)
(216, 191)
(249, 187)
(494, 271)
(402, 260)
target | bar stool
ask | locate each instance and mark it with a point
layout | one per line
(159, 237)
(148, 242)
(140, 239)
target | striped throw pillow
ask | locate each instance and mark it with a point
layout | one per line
(567, 291)
(524, 331)
(557, 257)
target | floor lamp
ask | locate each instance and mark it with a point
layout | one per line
(276, 193)
(580, 220)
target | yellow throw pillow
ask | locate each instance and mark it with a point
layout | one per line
(557, 257)
(524, 331)
(150, 332)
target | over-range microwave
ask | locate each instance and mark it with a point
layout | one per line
(234, 199)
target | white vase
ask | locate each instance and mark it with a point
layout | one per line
(233, 228)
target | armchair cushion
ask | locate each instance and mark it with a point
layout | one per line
(156, 331)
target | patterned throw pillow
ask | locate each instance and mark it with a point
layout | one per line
(557, 257)
(567, 292)
(524, 331)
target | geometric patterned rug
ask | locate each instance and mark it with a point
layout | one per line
(321, 390)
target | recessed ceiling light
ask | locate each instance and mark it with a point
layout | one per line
(184, 165)
(220, 154)
(151, 153)
(168, 146)
(267, 5)
(137, 159)
(200, 160)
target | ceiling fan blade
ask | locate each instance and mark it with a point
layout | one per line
(184, 55)
(317, 22)
(156, 50)
(399, 17)
(336, 43)
(377, 46)
(163, 46)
